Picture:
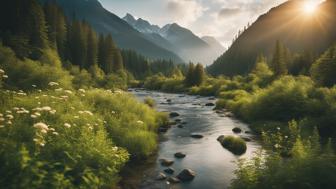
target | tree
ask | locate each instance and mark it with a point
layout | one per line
(92, 49)
(199, 75)
(278, 64)
(261, 68)
(56, 26)
(323, 70)
(189, 80)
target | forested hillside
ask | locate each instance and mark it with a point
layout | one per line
(300, 33)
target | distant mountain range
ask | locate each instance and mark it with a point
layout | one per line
(123, 34)
(288, 23)
(179, 40)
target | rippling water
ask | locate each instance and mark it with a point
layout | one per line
(213, 164)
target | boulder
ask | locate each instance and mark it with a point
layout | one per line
(169, 100)
(237, 130)
(180, 126)
(179, 155)
(178, 120)
(221, 138)
(184, 123)
(246, 139)
(169, 170)
(166, 163)
(186, 175)
(163, 129)
(173, 180)
(210, 104)
(196, 136)
(161, 176)
(174, 114)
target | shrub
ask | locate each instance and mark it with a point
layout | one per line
(150, 102)
(236, 145)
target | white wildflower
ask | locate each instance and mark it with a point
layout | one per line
(278, 128)
(140, 122)
(8, 112)
(68, 91)
(37, 97)
(34, 86)
(9, 123)
(55, 133)
(33, 116)
(1, 115)
(16, 108)
(82, 90)
(5, 76)
(46, 108)
(59, 89)
(2, 71)
(52, 112)
(53, 84)
(76, 117)
(2, 119)
(39, 90)
(67, 125)
(2, 126)
(277, 146)
(113, 112)
(42, 127)
(10, 116)
(45, 95)
(22, 94)
(88, 112)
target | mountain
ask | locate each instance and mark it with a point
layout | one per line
(123, 34)
(216, 45)
(177, 39)
(290, 24)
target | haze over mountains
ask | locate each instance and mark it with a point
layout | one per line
(179, 40)
(106, 22)
(290, 24)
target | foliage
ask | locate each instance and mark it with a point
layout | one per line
(309, 165)
(234, 144)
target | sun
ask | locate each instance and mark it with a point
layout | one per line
(310, 6)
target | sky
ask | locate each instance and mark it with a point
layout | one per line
(221, 19)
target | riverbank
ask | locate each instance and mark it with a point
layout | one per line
(213, 164)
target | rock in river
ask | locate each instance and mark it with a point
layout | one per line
(174, 114)
(179, 155)
(161, 176)
(221, 138)
(210, 104)
(166, 163)
(237, 130)
(173, 180)
(186, 175)
(194, 135)
(169, 170)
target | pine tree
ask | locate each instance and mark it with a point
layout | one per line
(199, 75)
(278, 64)
(189, 80)
(92, 49)
(323, 70)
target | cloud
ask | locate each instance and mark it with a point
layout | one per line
(185, 12)
(227, 12)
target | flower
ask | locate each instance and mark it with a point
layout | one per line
(9, 123)
(82, 90)
(88, 112)
(278, 128)
(52, 111)
(68, 91)
(2, 71)
(34, 86)
(277, 146)
(8, 112)
(2, 119)
(42, 127)
(59, 89)
(67, 125)
(46, 108)
(33, 116)
(140, 122)
(10, 116)
(53, 84)
(55, 133)
(5, 76)
(22, 93)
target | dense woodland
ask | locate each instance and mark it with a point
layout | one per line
(65, 123)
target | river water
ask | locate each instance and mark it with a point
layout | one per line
(213, 164)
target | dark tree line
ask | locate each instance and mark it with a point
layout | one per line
(29, 27)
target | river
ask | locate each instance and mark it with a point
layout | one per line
(213, 164)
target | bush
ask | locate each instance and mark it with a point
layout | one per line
(309, 165)
(24, 74)
(236, 145)
(150, 102)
